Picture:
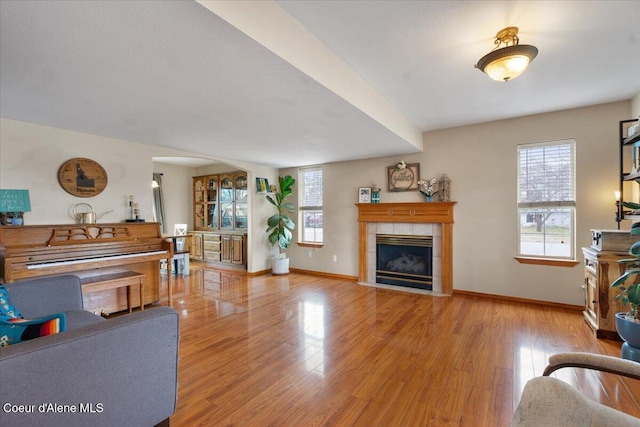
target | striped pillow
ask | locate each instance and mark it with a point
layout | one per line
(13, 331)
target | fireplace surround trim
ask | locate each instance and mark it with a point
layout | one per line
(426, 213)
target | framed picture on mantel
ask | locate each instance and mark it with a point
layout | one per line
(364, 195)
(403, 178)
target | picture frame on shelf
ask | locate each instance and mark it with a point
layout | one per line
(262, 185)
(364, 195)
(403, 179)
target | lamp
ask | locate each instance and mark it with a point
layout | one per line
(619, 210)
(13, 204)
(507, 63)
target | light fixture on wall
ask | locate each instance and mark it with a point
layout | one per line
(507, 63)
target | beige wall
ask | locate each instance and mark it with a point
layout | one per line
(480, 159)
(177, 197)
(31, 154)
(635, 107)
(481, 162)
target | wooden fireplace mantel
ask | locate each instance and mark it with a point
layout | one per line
(425, 213)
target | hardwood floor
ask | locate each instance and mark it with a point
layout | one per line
(302, 350)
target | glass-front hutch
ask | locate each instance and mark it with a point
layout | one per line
(220, 202)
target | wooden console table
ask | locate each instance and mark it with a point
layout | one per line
(113, 281)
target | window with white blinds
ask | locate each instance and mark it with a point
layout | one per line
(310, 205)
(546, 199)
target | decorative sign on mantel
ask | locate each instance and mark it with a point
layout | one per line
(403, 177)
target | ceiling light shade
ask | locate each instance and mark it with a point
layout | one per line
(507, 63)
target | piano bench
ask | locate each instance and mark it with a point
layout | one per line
(115, 280)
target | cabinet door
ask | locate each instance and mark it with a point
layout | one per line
(212, 215)
(212, 189)
(591, 292)
(226, 188)
(212, 202)
(196, 246)
(237, 253)
(241, 207)
(199, 203)
(227, 248)
(240, 186)
(226, 215)
(241, 211)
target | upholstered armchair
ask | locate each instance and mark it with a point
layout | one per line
(547, 401)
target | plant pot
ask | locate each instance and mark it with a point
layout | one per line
(629, 331)
(280, 266)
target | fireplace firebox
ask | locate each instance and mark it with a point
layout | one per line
(404, 260)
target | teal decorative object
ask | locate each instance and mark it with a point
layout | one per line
(13, 204)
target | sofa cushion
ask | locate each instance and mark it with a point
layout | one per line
(43, 296)
(80, 318)
(16, 330)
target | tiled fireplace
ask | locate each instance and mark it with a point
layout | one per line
(416, 264)
(408, 219)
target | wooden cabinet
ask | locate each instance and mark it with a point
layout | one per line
(220, 217)
(600, 270)
(220, 247)
(233, 249)
(220, 202)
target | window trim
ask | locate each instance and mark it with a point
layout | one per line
(303, 208)
(553, 260)
(310, 245)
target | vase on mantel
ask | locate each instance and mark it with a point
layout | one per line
(428, 199)
(375, 197)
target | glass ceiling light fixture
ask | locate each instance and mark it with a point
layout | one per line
(507, 63)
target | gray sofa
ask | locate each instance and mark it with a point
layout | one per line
(115, 372)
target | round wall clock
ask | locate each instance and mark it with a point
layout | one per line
(82, 177)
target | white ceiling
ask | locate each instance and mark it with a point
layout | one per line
(176, 74)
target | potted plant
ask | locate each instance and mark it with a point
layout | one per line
(628, 285)
(280, 226)
(428, 188)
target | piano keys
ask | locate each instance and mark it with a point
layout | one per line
(86, 250)
(51, 264)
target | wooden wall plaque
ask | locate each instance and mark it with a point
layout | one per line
(82, 177)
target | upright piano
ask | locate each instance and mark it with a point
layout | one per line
(86, 250)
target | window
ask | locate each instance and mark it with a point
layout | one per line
(546, 200)
(310, 206)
